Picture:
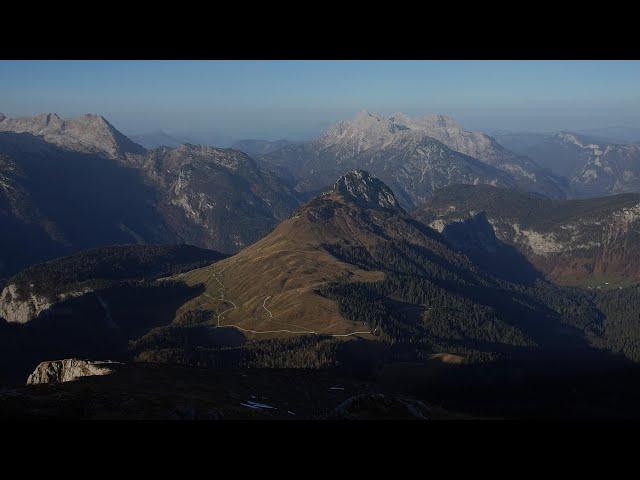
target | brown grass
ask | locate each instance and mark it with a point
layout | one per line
(287, 266)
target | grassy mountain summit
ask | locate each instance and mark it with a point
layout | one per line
(352, 262)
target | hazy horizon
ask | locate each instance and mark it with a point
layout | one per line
(219, 102)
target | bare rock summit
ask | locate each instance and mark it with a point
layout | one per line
(88, 133)
(68, 370)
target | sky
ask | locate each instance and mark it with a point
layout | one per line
(221, 101)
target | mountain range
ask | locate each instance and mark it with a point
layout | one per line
(414, 156)
(404, 251)
(73, 184)
(350, 283)
(224, 199)
(59, 177)
(352, 261)
(571, 241)
(349, 273)
(593, 166)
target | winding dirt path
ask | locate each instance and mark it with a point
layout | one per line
(220, 315)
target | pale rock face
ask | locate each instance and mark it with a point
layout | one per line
(366, 131)
(205, 191)
(87, 133)
(539, 243)
(68, 370)
(439, 225)
(449, 132)
(369, 132)
(566, 240)
(411, 162)
(606, 168)
(22, 310)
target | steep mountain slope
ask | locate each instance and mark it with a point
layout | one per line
(593, 166)
(410, 161)
(87, 133)
(39, 287)
(67, 185)
(550, 151)
(528, 174)
(215, 198)
(569, 240)
(58, 201)
(91, 304)
(27, 235)
(609, 169)
(352, 262)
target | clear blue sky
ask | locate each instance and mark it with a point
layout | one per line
(223, 101)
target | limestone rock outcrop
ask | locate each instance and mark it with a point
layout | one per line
(68, 370)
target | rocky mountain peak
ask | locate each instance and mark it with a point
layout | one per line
(359, 186)
(366, 130)
(369, 130)
(88, 133)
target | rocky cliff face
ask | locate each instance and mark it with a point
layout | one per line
(68, 370)
(15, 309)
(567, 240)
(608, 168)
(359, 186)
(526, 172)
(216, 198)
